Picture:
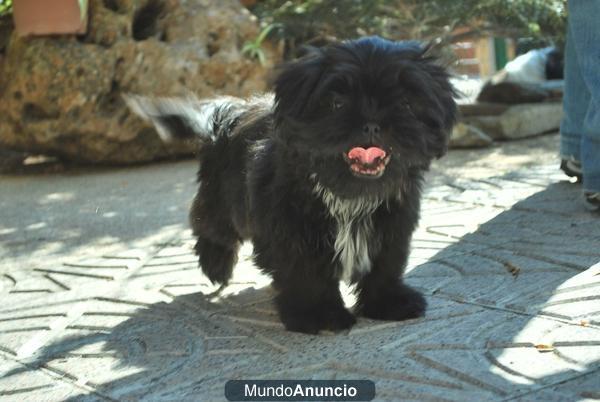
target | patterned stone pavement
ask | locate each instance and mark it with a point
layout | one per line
(102, 298)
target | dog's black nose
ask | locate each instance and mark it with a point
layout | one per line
(371, 129)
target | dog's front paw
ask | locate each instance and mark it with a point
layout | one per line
(333, 318)
(394, 303)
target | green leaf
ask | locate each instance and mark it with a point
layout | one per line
(248, 47)
(83, 8)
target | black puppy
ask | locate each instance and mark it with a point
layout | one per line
(325, 178)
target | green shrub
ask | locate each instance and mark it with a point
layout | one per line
(313, 21)
(5, 7)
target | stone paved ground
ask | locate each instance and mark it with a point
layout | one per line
(102, 299)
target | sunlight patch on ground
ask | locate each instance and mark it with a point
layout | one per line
(56, 197)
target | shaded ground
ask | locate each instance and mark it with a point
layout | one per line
(102, 298)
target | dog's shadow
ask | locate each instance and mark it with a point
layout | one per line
(509, 315)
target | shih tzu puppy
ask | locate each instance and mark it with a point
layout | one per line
(324, 177)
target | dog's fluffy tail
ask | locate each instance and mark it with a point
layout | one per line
(188, 118)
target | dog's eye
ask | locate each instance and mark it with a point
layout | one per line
(407, 106)
(337, 103)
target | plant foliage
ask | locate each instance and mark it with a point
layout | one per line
(5, 7)
(308, 21)
(253, 49)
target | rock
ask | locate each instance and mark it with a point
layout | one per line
(14, 162)
(6, 28)
(468, 136)
(482, 108)
(525, 79)
(512, 93)
(62, 95)
(519, 121)
(11, 160)
(554, 88)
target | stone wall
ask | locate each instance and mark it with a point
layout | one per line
(62, 95)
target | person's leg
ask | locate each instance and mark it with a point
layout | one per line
(575, 103)
(585, 33)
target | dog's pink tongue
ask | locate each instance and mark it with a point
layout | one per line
(366, 156)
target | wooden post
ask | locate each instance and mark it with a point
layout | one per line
(46, 17)
(486, 56)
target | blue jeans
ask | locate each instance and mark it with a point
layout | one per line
(580, 127)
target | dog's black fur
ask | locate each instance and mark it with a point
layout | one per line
(276, 172)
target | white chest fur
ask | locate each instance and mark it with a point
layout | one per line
(354, 229)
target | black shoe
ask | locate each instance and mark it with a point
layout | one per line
(572, 168)
(592, 201)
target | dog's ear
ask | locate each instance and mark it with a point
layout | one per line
(173, 118)
(444, 92)
(295, 84)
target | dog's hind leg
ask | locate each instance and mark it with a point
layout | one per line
(217, 260)
(217, 242)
